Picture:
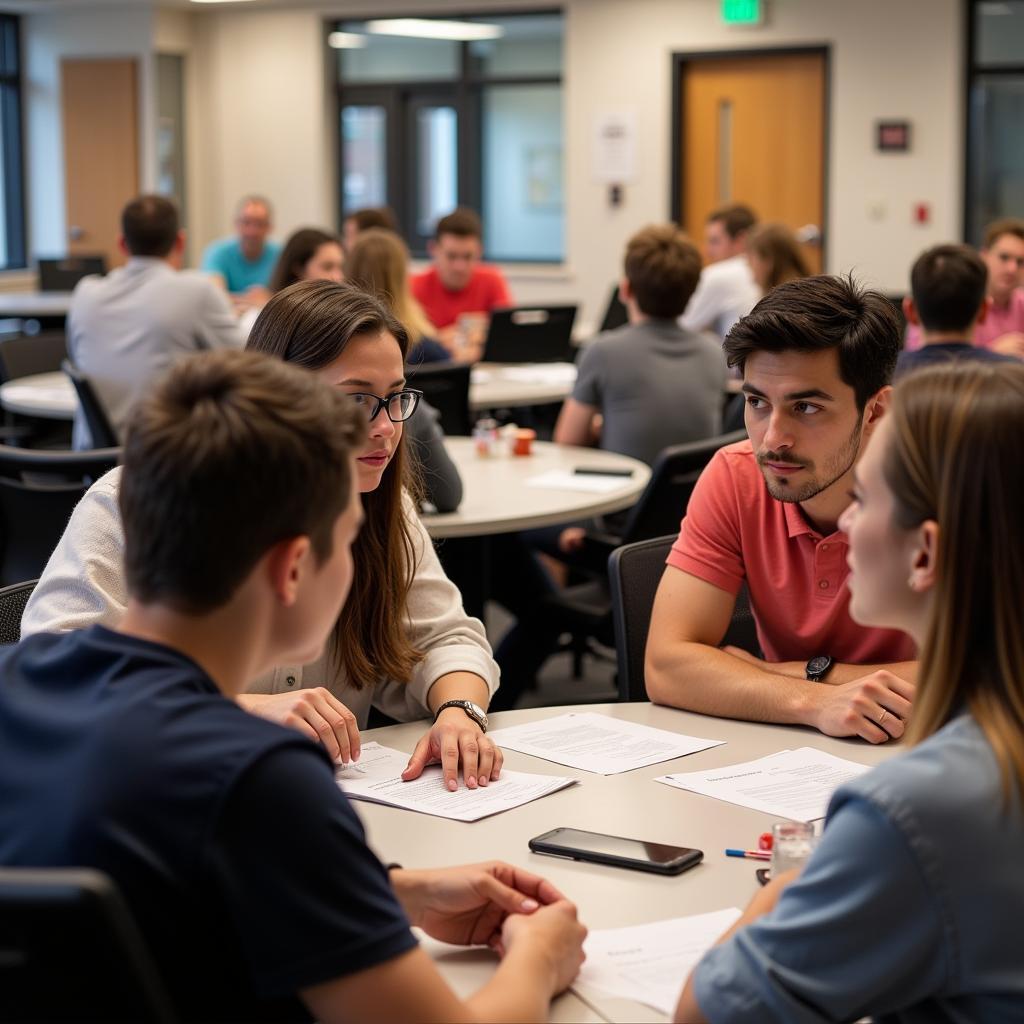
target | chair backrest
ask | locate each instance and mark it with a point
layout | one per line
(446, 387)
(663, 502)
(536, 334)
(615, 314)
(100, 430)
(61, 275)
(70, 951)
(12, 606)
(634, 572)
(38, 492)
(24, 355)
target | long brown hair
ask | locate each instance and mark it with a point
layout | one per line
(300, 248)
(310, 324)
(954, 457)
(779, 248)
(379, 263)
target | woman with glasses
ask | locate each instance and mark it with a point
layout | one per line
(909, 910)
(403, 642)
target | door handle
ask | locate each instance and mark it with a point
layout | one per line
(809, 234)
(75, 233)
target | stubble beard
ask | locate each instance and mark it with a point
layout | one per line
(837, 465)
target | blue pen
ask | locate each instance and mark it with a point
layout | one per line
(751, 854)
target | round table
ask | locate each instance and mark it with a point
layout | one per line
(33, 305)
(630, 804)
(49, 396)
(507, 385)
(499, 498)
(494, 386)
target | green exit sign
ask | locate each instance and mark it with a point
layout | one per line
(742, 12)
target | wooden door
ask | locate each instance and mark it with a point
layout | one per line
(100, 107)
(753, 131)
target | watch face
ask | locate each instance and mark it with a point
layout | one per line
(816, 666)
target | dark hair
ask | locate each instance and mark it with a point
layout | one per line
(373, 217)
(1006, 226)
(462, 222)
(948, 286)
(663, 268)
(150, 226)
(300, 248)
(780, 250)
(823, 312)
(952, 458)
(204, 448)
(736, 218)
(310, 324)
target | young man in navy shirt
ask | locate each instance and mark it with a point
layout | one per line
(123, 750)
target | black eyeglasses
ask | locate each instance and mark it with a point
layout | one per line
(399, 406)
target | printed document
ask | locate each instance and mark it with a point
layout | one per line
(795, 784)
(566, 480)
(376, 777)
(598, 743)
(649, 963)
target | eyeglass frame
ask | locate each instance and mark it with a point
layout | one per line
(383, 403)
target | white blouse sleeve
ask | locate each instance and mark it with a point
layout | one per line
(83, 582)
(438, 625)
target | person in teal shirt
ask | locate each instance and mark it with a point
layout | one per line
(245, 262)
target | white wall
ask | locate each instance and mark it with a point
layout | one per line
(47, 38)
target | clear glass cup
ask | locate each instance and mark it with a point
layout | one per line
(792, 843)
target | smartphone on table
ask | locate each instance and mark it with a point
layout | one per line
(616, 851)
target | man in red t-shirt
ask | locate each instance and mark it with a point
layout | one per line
(458, 284)
(817, 356)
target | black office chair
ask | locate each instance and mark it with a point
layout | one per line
(100, 430)
(446, 387)
(634, 573)
(12, 606)
(70, 951)
(38, 492)
(584, 609)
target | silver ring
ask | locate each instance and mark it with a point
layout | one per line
(882, 716)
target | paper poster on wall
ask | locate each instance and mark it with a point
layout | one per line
(614, 147)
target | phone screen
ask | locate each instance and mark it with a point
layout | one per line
(574, 840)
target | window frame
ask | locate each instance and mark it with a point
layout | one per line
(973, 73)
(11, 117)
(467, 91)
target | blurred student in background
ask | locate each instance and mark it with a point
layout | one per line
(774, 256)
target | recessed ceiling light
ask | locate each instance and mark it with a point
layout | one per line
(346, 40)
(430, 28)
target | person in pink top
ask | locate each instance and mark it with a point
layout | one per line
(1001, 329)
(817, 356)
(458, 285)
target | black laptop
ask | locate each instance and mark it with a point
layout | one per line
(530, 334)
(62, 275)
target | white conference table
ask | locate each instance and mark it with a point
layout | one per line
(493, 386)
(34, 304)
(631, 805)
(513, 385)
(497, 498)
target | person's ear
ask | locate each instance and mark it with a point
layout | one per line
(924, 569)
(122, 244)
(432, 248)
(876, 408)
(625, 291)
(910, 311)
(983, 312)
(288, 562)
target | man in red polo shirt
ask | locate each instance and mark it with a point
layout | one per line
(817, 356)
(459, 284)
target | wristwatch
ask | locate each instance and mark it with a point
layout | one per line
(474, 711)
(819, 667)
